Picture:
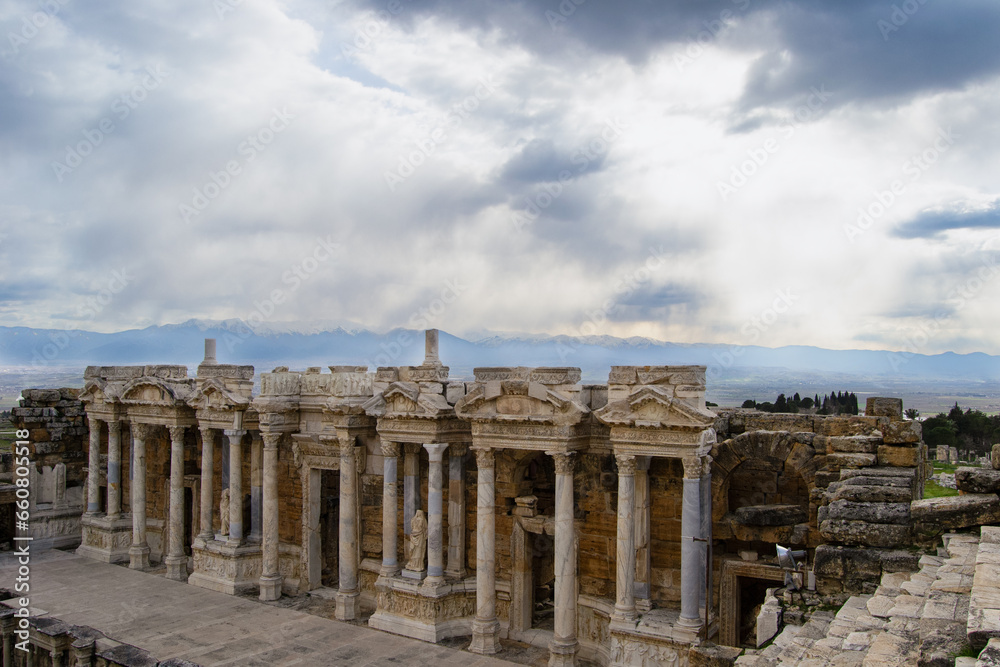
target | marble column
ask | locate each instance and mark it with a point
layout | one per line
(94, 466)
(256, 484)
(456, 511)
(643, 507)
(270, 578)
(235, 438)
(485, 627)
(175, 560)
(348, 593)
(114, 469)
(205, 530)
(435, 515)
(138, 553)
(562, 650)
(692, 558)
(625, 556)
(411, 490)
(706, 526)
(390, 509)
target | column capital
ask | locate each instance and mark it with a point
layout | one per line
(484, 457)
(626, 464)
(271, 440)
(390, 449)
(457, 449)
(176, 433)
(411, 448)
(694, 467)
(114, 425)
(565, 462)
(435, 451)
(141, 431)
(93, 422)
(234, 433)
(346, 445)
(207, 432)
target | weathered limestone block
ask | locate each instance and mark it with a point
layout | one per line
(708, 654)
(902, 433)
(895, 513)
(841, 461)
(834, 426)
(934, 516)
(857, 569)
(978, 480)
(859, 493)
(898, 456)
(877, 406)
(771, 515)
(777, 422)
(863, 533)
(995, 456)
(990, 657)
(769, 618)
(853, 444)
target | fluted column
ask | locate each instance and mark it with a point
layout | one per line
(205, 531)
(270, 579)
(348, 593)
(692, 558)
(456, 511)
(139, 551)
(94, 466)
(625, 558)
(485, 627)
(411, 490)
(706, 525)
(235, 438)
(390, 509)
(562, 650)
(643, 602)
(435, 514)
(256, 486)
(175, 560)
(114, 469)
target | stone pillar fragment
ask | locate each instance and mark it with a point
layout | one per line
(235, 438)
(390, 509)
(485, 627)
(625, 555)
(94, 467)
(114, 469)
(643, 509)
(270, 578)
(256, 484)
(139, 551)
(692, 556)
(562, 650)
(176, 560)
(456, 511)
(706, 527)
(205, 531)
(435, 515)
(348, 592)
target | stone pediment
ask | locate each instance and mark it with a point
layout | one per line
(406, 400)
(154, 391)
(100, 391)
(214, 395)
(655, 407)
(518, 401)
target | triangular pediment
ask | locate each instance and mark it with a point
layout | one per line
(519, 401)
(406, 400)
(213, 394)
(655, 407)
(95, 391)
(153, 391)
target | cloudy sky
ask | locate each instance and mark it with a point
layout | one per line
(736, 171)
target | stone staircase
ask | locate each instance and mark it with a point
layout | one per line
(919, 619)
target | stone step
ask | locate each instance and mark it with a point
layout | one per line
(983, 622)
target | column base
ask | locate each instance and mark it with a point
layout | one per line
(389, 571)
(414, 574)
(347, 606)
(642, 605)
(624, 615)
(270, 587)
(138, 557)
(485, 637)
(176, 567)
(562, 652)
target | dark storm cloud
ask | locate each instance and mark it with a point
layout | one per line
(879, 51)
(540, 161)
(644, 300)
(931, 224)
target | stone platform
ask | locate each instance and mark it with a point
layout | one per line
(175, 620)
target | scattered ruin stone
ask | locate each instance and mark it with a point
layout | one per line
(933, 516)
(884, 407)
(978, 480)
(995, 456)
(771, 515)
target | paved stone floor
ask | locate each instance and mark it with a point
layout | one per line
(171, 619)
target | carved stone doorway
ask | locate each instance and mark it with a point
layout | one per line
(322, 521)
(742, 579)
(532, 580)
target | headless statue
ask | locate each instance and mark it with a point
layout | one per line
(224, 512)
(418, 542)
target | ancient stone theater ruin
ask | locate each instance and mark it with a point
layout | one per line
(620, 523)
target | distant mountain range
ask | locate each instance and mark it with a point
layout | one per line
(324, 344)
